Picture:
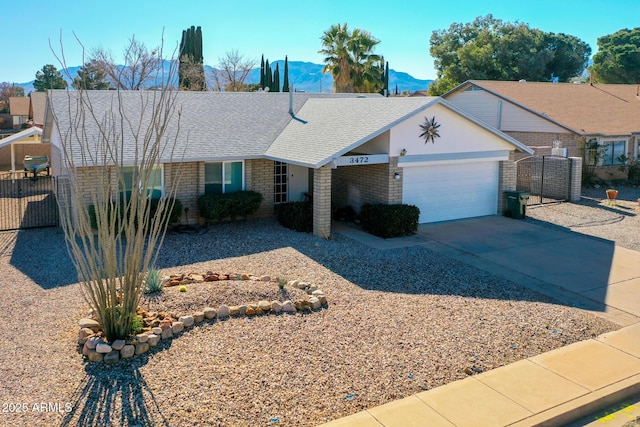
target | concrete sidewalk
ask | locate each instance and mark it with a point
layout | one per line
(553, 388)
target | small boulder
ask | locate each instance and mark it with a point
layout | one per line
(210, 313)
(153, 340)
(234, 310)
(112, 357)
(177, 327)
(187, 321)
(104, 348)
(322, 299)
(198, 316)
(142, 337)
(84, 334)
(117, 345)
(276, 307)
(264, 306)
(242, 310)
(127, 351)
(288, 307)
(250, 311)
(223, 312)
(89, 323)
(94, 356)
(142, 347)
(265, 278)
(166, 333)
(157, 330)
(315, 303)
(245, 277)
(293, 284)
(197, 278)
(317, 292)
(93, 342)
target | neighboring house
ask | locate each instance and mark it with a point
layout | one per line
(38, 104)
(338, 150)
(19, 107)
(598, 123)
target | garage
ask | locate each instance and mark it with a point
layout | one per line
(451, 191)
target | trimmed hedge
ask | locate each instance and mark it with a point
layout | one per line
(388, 221)
(296, 215)
(216, 207)
(174, 215)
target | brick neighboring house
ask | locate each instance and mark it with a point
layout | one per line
(337, 149)
(582, 118)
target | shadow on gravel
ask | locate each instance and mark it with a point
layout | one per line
(553, 255)
(41, 254)
(114, 395)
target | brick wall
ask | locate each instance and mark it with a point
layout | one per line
(507, 179)
(322, 202)
(356, 185)
(188, 181)
(259, 177)
(542, 142)
(576, 179)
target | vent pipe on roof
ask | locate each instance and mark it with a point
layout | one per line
(291, 100)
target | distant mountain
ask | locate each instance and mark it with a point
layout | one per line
(303, 76)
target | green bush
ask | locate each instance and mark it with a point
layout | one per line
(240, 204)
(153, 281)
(388, 221)
(296, 215)
(174, 215)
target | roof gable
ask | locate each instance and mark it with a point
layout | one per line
(583, 108)
(19, 105)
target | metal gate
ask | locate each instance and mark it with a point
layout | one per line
(27, 202)
(546, 178)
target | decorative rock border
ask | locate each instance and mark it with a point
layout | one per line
(165, 326)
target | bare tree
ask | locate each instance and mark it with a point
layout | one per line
(105, 147)
(8, 90)
(231, 72)
(138, 70)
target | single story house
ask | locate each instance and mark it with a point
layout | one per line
(337, 149)
(598, 123)
(19, 107)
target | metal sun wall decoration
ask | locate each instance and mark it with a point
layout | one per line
(430, 128)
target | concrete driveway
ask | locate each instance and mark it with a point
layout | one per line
(577, 270)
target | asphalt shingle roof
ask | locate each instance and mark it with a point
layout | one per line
(606, 109)
(327, 128)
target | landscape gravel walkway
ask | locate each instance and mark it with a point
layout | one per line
(398, 322)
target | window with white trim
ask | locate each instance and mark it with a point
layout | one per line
(223, 177)
(127, 178)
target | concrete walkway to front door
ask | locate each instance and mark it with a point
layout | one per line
(553, 388)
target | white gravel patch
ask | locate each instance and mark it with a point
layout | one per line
(398, 322)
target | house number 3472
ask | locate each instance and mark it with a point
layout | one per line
(359, 159)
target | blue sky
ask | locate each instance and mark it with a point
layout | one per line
(277, 28)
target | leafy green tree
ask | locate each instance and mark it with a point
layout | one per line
(91, 76)
(191, 65)
(49, 78)
(285, 84)
(491, 49)
(350, 59)
(618, 58)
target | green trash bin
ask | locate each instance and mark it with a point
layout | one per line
(517, 203)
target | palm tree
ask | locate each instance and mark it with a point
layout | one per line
(335, 49)
(366, 74)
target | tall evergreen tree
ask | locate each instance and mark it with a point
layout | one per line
(276, 79)
(49, 78)
(285, 84)
(191, 66)
(268, 77)
(262, 80)
(385, 80)
(91, 76)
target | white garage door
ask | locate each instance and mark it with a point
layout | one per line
(452, 191)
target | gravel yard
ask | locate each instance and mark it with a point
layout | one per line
(398, 322)
(595, 216)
